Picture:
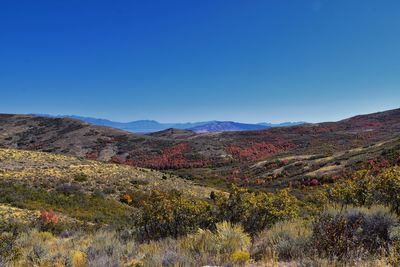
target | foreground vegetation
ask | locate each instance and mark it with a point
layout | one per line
(351, 237)
(350, 222)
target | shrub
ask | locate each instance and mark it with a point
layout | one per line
(388, 186)
(48, 221)
(240, 257)
(333, 235)
(35, 248)
(366, 189)
(226, 246)
(9, 231)
(80, 177)
(126, 198)
(100, 249)
(68, 188)
(339, 234)
(49, 217)
(287, 240)
(81, 206)
(8, 251)
(104, 250)
(358, 190)
(231, 238)
(167, 214)
(78, 259)
(135, 181)
(256, 211)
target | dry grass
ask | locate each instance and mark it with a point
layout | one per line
(9, 213)
(48, 170)
(326, 170)
(227, 246)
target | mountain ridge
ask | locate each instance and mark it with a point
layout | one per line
(227, 126)
(150, 126)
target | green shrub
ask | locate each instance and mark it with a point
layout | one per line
(91, 208)
(256, 211)
(80, 177)
(365, 188)
(165, 214)
(388, 186)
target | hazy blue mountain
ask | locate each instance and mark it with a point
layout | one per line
(226, 126)
(149, 126)
(139, 126)
(283, 124)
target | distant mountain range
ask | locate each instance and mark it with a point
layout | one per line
(150, 126)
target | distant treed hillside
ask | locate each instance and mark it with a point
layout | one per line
(231, 155)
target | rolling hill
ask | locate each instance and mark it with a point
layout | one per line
(204, 156)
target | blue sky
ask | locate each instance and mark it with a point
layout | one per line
(250, 61)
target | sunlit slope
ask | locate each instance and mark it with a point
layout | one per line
(51, 172)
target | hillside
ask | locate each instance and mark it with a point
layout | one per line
(80, 190)
(69, 136)
(208, 156)
(50, 171)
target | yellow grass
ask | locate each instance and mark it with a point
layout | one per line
(48, 170)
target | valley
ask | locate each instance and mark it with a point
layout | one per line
(246, 157)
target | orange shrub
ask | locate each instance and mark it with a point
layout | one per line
(126, 198)
(49, 217)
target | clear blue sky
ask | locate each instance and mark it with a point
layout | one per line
(191, 60)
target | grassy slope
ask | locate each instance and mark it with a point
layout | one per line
(31, 182)
(47, 170)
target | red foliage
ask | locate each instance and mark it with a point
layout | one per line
(92, 155)
(371, 163)
(314, 182)
(118, 159)
(376, 166)
(49, 217)
(304, 183)
(384, 163)
(237, 176)
(256, 151)
(169, 158)
(365, 123)
(284, 162)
